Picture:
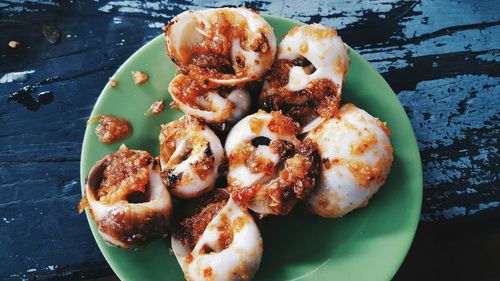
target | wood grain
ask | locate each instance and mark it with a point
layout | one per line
(440, 57)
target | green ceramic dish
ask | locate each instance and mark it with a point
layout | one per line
(368, 244)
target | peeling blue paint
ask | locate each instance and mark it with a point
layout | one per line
(442, 97)
(465, 13)
(449, 213)
(490, 56)
(483, 207)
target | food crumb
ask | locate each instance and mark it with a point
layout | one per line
(14, 44)
(110, 129)
(139, 77)
(155, 108)
(94, 120)
(113, 83)
(207, 272)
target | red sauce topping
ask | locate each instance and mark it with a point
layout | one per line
(295, 181)
(212, 55)
(320, 96)
(314, 32)
(282, 125)
(366, 174)
(126, 171)
(225, 232)
(256, 124)
(207, 272)
(205, 165)
(111, 129)
(190, 90)
(259, 164)
(187, 89)
(240, 154)
(179, 129)
(194, 217)
(246, 194)
(189, 258)
(239, 223)
(364, 143)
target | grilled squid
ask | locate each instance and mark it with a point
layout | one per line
(190, 157)
(127, 199)
(306, 79)
(210, 104)
(269, 169)
(356, 155)
(227, 46)
(216, 239)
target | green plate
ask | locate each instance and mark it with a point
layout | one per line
(368, 244)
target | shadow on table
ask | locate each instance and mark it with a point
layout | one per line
(459, 250)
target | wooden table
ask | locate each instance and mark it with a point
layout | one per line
(440, 57)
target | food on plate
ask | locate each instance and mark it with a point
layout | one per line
(210, 104)
(269, 169)
(113, 83)
(111, 129)
(305, 149)
(306, 79)
(155, 108)
(139, 77)
(227, 46)
(216, 239)
(127, 199)
(356, 155)
(191, 157)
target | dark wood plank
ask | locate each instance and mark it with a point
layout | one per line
(440, 57)
(453, 250)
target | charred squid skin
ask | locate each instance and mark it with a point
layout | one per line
(190, 157)
(355, 161)
(229, 248)
(125, 224)
(227, 46)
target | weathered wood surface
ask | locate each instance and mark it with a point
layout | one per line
(440, 57)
